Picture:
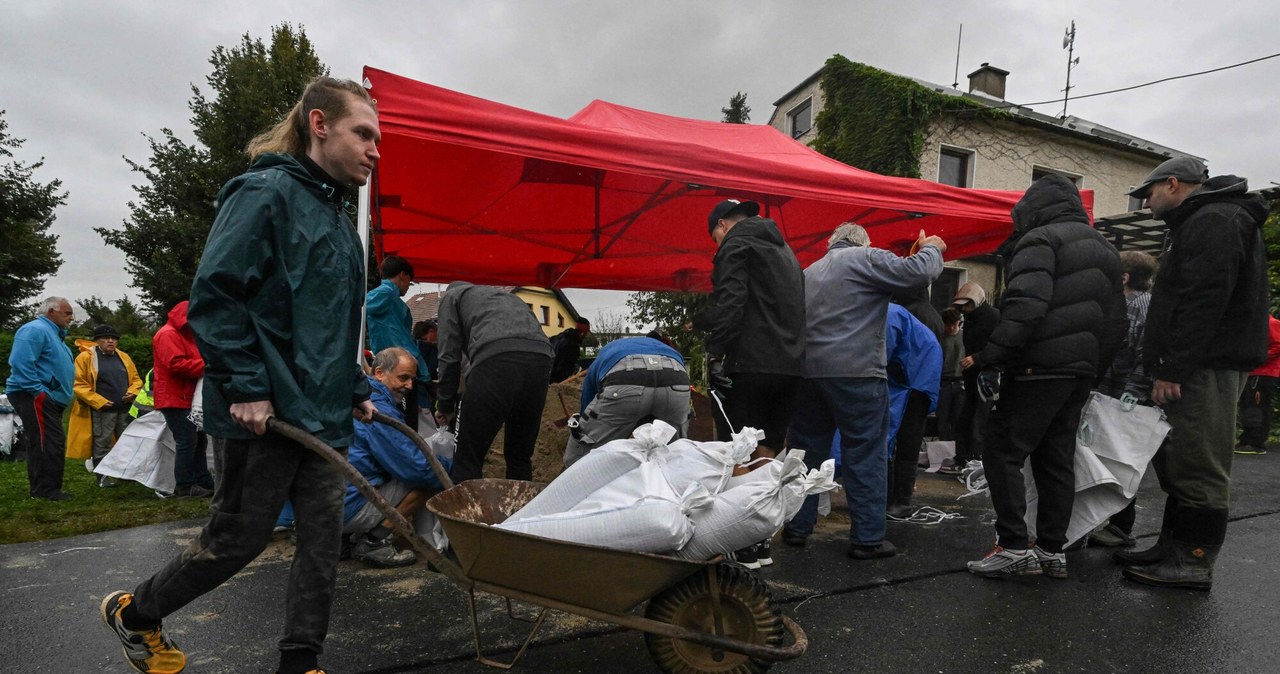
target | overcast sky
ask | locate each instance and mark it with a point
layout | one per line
(83, 82)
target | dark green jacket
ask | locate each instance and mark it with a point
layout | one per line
(276, 303)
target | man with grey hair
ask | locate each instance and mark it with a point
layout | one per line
(845, 383)
(390, 461)
(41, 379)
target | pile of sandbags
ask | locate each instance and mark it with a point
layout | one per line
(647, 494)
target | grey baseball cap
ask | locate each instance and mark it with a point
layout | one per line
(1185, 169)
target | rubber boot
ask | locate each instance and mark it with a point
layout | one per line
(902, 486)
(1194, 543)
(1157, 552)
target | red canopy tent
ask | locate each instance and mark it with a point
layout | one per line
(617, 198)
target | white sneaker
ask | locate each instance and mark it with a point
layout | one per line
(1004, 562)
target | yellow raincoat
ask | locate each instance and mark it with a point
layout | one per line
(80, 428)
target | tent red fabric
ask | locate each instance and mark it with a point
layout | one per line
(617, 198)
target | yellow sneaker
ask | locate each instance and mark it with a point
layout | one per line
(148, 651)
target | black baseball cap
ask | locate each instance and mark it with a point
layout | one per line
(731, 207)
(1185, 169)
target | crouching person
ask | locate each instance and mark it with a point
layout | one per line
(631, 382)
(391, 462)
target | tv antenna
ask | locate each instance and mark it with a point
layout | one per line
(956, 84)
(1069, 44)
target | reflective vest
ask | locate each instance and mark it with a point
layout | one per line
(144, 402)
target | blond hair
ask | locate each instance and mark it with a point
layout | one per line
(292, 134)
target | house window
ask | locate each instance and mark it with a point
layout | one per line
(944, 288)
(1135, 204)
(546, 315)
(559, 320)
(955, 166)
(1038, 172)
(801, 118)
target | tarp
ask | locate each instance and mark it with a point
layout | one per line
(617, 198)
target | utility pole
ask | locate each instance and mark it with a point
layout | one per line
(1069, 44)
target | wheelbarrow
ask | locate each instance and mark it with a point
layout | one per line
(701, 616)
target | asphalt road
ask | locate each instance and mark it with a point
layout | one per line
(917, 612)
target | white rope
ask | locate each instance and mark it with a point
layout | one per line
(927, 515)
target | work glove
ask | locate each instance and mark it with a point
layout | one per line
(716, 377)
(989, 385)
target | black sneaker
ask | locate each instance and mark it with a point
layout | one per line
(793, 539)
(747, 557)
(764, 552)
(192, 491)
(1250, 450)
(381, 553)
(878, 551)
(148, 651)
(54, 496)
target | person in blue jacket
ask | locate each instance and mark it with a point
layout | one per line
(631, 382)
(42, 373)
(391, 462)
(915, 374)
(391, 324)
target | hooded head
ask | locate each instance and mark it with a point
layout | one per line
(1050, 199)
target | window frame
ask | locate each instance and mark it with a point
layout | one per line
(969, 156)
(791, 117)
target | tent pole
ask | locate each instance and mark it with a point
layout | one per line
(362, 226)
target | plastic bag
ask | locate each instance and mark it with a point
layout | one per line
(708, 463)
(598, 468)
(756, 505)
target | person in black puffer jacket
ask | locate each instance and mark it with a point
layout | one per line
(1206, 329)
(1062, 319)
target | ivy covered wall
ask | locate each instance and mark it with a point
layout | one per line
(876, 120)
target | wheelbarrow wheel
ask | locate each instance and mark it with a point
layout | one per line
(747, 614)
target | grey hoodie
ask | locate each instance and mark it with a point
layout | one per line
(478, 322)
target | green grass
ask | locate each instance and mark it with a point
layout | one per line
(24, 519)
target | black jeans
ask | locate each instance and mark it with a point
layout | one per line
(44, 439)
(1036, 418)
(255, 477)
(971, 424)
(1255, 411)
(761, 401)
(508, 388)
(906, 450)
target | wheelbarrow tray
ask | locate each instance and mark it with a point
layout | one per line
(589, 576)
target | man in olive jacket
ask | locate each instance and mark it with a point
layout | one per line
(276, 312)
(1206, 329)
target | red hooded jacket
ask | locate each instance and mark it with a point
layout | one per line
(178, 365)
(1271, 368)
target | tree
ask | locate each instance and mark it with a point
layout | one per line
(738, 111)
(254, 85)
(126, 317)
(29, 252)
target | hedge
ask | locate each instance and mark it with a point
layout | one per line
(137, 346)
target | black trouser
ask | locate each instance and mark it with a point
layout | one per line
(254, 478)
(761, 401)
(1255, 411)
(507, 388)
(44, 439)
(950, 405)
(1036, 418)
(971, 424)
(906, 450)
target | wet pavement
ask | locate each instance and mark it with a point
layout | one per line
(917, 612)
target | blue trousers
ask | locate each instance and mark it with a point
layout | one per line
(190, 466)
(859, 408)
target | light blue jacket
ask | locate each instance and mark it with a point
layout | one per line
(846, 299)
(390, 323)
(40, 361)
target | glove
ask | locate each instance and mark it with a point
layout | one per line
(989, 385)
(716, 376)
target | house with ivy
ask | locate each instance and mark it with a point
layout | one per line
(901, 126)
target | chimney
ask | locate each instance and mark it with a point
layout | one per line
(989, 80)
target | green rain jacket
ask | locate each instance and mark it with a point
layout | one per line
(276, 303)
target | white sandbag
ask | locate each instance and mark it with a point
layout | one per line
(639, 512)
(598, 468)
(7, 416)
(143, 453)
(443, 443)
(196, 414)
(938, 452)
(755, 505)
(708, 463)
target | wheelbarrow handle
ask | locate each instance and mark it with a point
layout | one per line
(398, 522)
(422, 444)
